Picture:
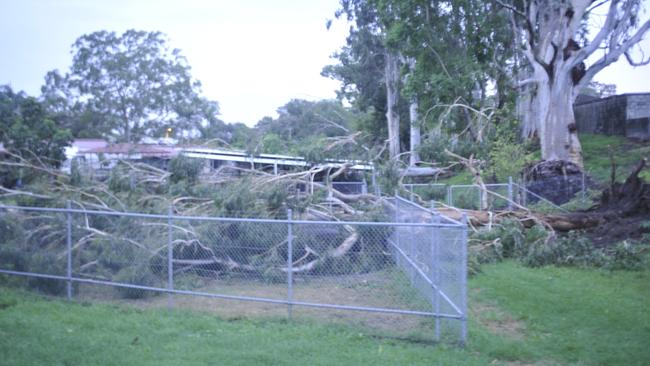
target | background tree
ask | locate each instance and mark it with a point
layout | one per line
(128, 86)
(28, 130)
(441, 53)
(30, 136)
(556, 44)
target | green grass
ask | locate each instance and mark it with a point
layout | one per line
(627, 153)
(574, 315)
(596, 153)
(521, 315)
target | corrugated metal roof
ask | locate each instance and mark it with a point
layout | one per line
(84, 145)
(132, 149)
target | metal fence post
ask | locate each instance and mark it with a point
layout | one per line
(373, 180)
(450, 197)
(463, 281)
(364, 187)
(69, 249)
(510, 193)
(435, 217)
(583, 187)
(170, 256)
(411, 193)
(289, 263)
(480, 198)
(396, 219)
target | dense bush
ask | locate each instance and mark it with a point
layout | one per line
(534, 247)
(47, 263)
(185, 168)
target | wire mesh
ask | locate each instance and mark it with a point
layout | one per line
(434, 257)
(353, 272)
(427, 192)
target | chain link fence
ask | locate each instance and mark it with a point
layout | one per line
(496, 196)
(401, 278)
(435, 261)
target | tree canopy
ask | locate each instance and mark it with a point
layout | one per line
(128, 86)
(29, 131)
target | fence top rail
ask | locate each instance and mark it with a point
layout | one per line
(425, 184)
(477, 186)
(449, 219)
(222, 219)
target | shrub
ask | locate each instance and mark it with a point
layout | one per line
(534, 248)
(47, 263)
(626, 255)
(573, 249)
(185, 168)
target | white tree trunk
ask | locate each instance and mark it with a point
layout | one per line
(392, 96)
(550, 114)
(548, 31)
(415, 137)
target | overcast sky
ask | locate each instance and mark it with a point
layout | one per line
(251, 56)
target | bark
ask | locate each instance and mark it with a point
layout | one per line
(414, 119)
(392, 96)
(548, 30)
(415, 137)
(620, 200)
(551, 115)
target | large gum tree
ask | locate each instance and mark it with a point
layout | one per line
(558, 41)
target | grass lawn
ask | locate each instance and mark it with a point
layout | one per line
(596, 151)
(519, 316)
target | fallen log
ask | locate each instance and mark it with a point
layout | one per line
(630, 198)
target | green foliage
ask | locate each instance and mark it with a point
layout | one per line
(120, 179)
(627, 255)
(139, 274)
(129, 86)
(273, 144)
(534, 248)
(28, 130)
(434, 144)
(453, 49)
(48, 263)
(507, 156)
(388, 176)
(299, 119)
(573, 249)
(184, 168)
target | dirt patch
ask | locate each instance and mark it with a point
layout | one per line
(383, 289)
(617, 229)
(497, 321)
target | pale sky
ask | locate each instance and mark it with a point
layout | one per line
(251, 56)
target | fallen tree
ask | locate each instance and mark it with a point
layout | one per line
(619, 200)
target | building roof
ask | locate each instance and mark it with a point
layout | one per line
(272, 159)
(84, 145)
(137, 149)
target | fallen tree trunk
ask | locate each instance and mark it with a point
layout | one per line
(629, 198)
